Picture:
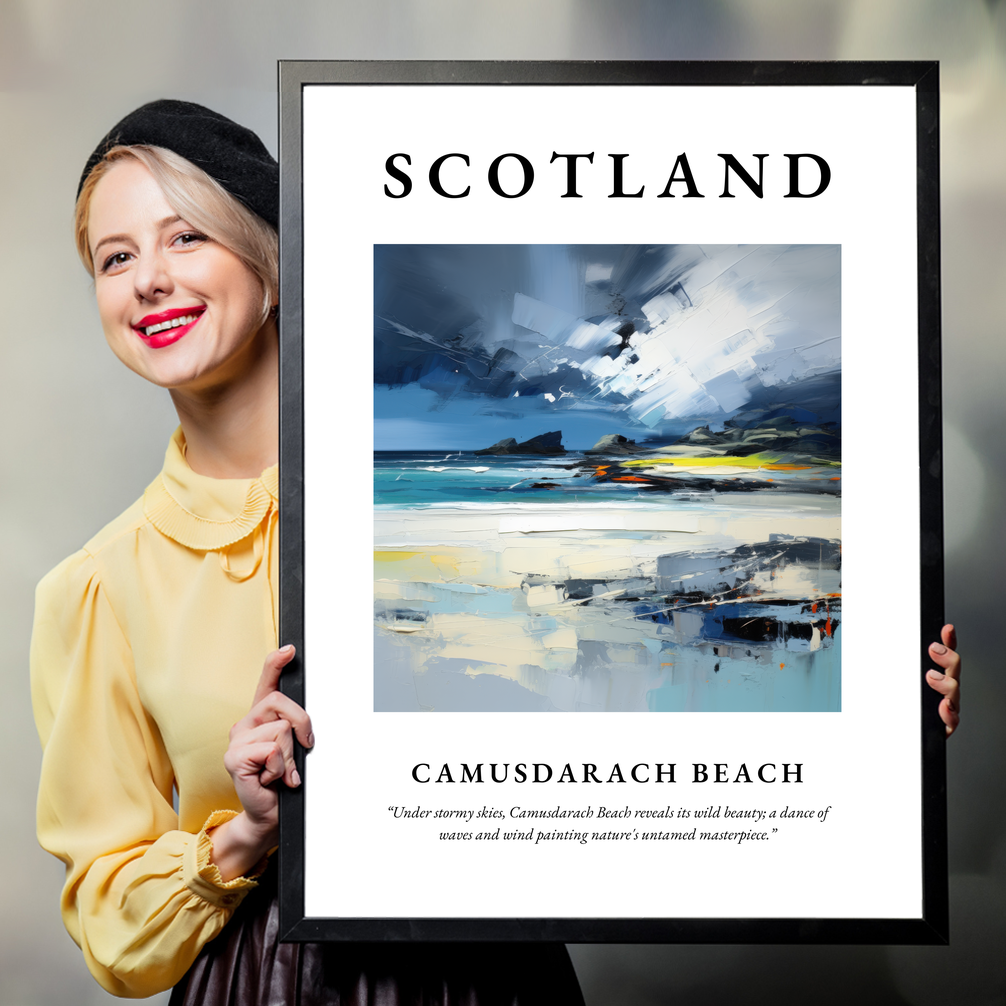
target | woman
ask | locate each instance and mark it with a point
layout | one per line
(148, 643)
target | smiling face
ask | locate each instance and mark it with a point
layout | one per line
(177, 307)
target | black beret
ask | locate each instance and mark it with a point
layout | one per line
(231, 154)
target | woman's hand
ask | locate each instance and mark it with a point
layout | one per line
(948, 681)
(260, 753)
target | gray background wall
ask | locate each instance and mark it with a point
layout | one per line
(82, 436)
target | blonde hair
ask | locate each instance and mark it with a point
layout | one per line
(199, 200)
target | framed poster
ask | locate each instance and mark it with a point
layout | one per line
(611, 501)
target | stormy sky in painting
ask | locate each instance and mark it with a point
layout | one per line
(474, 343)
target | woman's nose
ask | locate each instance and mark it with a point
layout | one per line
(152, 277)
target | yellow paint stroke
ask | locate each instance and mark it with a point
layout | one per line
(447, 564)
(443, 565)
(772, 462)
(723, 461)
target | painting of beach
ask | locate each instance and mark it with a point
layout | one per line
(607, 478)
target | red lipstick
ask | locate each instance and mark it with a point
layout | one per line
(165, 333)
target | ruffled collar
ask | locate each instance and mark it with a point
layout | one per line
(203, 513)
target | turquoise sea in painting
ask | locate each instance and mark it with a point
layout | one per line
(411, 478)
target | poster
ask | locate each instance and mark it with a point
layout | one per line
(607, 455)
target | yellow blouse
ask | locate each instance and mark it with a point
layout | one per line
(147, 647)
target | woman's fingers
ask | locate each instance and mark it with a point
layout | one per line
(277, 706)
(270, 703)
(271, 671)
(949, 688)
(261, 749)
(278, 735)
(949, 636)
(260, 761)
(947, 681)
(274, 766)
(949, 712)
(946, 657)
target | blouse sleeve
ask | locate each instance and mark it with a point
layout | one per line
(141, 898)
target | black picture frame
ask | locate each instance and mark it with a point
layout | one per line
(932, 926)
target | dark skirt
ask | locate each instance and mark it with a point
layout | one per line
(246, 965)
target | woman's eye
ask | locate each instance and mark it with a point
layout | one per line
(114, 261)
(189, 238)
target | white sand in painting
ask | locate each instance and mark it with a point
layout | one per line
(481, 590)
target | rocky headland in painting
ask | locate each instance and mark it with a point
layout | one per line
(781, 432)
(615, 443)
(773, 452)
(545, 443)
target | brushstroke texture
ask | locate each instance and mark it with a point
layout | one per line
(475, 339)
